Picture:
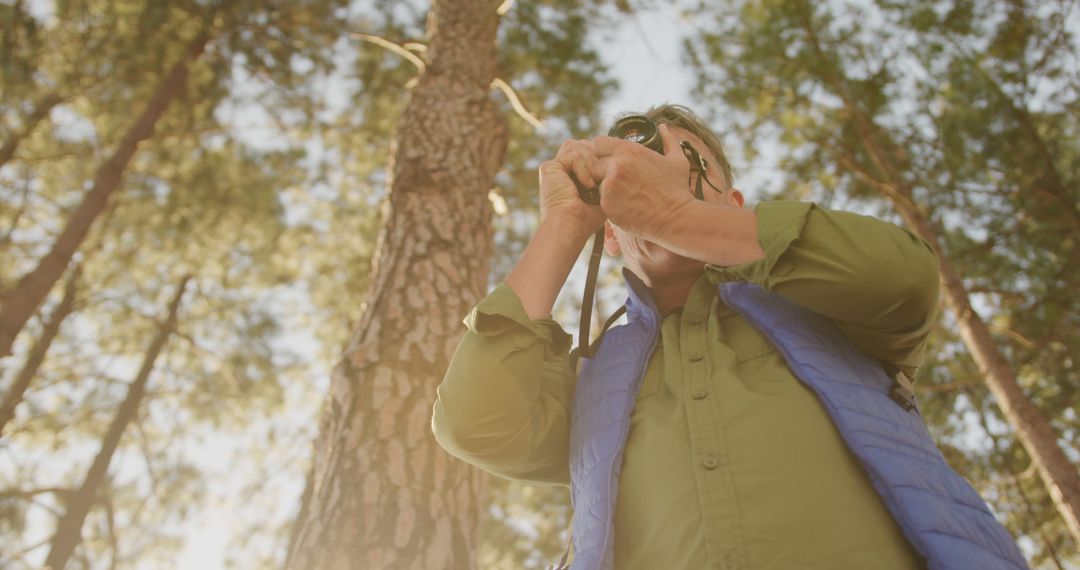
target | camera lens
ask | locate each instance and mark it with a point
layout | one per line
(639, 129)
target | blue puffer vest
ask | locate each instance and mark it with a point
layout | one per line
(941, 515)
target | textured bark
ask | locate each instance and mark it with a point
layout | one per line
(27, 295)
(69, 529)
(41, 110)
(1061, 478)
(381, 493)
(29, 370)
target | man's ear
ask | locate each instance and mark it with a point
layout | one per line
(611, 245)
(737, 196)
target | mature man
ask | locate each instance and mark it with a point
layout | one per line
(704, 434)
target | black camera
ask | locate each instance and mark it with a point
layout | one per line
(634, 128)
(639, 129)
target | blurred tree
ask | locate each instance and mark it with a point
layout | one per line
(20, 303)
(524, 526)
(271, 39)
(26, 374)
(192, 198)
(963, 119)
(77, 504)
(215, 213)
(22, 44)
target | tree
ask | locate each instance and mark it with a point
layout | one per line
(264, 38)
(411, 505)
(26, 374)
(69, 530)
(20, 303)
(831, 92)
(193, 197)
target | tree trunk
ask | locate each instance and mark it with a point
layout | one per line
(381, 493)
(18, 388)
(25, 298)
(1061, 478)
(69, 529)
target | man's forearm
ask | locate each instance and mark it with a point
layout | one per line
(541, 272)
(878, 281)
(713, 233)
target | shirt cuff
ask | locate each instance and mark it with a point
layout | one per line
(501, 312)
(779, 225)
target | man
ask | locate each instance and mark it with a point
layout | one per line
(726, 458)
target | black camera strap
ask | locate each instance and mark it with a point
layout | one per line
(588, 297)
(697, 164)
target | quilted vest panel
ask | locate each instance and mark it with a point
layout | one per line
(607, 388)
(942, 516)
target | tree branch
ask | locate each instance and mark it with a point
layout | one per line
(516, 103)
(110, 519)
(28, 494)
(393, 47)
(1012, 334)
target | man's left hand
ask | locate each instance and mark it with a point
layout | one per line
(642, 191)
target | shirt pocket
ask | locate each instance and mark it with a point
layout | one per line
(761, 367)
(745, 339)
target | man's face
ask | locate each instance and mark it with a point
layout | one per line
(652, 262)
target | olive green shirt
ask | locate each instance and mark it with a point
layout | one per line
(731, 462)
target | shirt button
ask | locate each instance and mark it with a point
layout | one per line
(695, 320)
(711, 462)
(695, 358)
(700, 394)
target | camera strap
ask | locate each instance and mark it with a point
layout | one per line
(697, 164)
(588, 297)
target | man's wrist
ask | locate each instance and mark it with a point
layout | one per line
(541, 272)
(566, 227)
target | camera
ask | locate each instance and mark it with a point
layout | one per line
(639, 129)
(634, 128)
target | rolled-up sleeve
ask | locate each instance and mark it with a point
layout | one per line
(878, 281)
(504, 402)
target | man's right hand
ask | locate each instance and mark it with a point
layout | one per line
(559, 196)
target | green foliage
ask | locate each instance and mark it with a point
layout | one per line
(546, 54)
(526, 525)
(200, 200)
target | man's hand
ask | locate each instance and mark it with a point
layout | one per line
(642, 191)
(558, 194)
(566, 224)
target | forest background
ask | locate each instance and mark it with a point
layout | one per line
(237, 240)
